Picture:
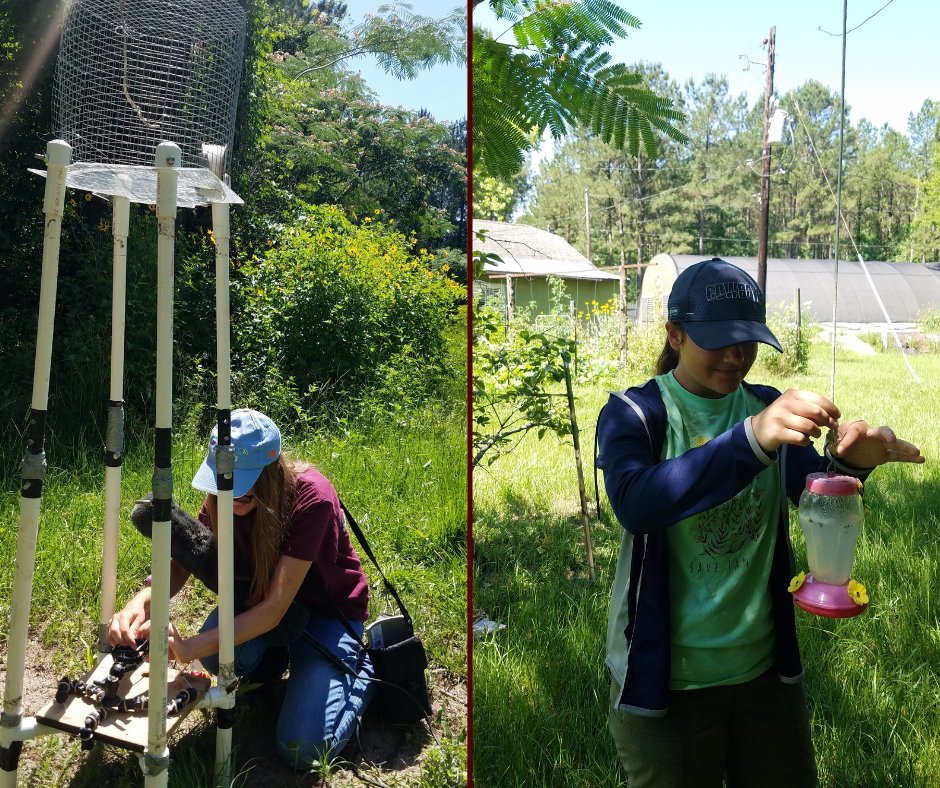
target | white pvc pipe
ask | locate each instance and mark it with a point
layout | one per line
(226, 540)
(120, 222)
(19, 614)
(156, 755)
(27, 730)
(58, 154)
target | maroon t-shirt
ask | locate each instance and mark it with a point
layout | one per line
(317, 533)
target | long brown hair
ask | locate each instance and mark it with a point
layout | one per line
(274, 493)
(669, 357)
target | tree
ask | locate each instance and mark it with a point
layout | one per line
(924, 239)
(879, 198)
(632, 212)
(515, 378)
(717, 194)
(401, 165)
(327, 140)
(555, 76)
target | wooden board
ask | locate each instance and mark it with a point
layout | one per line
(123, 729)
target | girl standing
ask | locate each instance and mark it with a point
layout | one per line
(706, 678)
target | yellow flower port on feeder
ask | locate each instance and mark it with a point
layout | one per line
(831, 518)
(857, 593)
(797, 582)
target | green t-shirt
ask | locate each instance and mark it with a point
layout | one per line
(719, 560)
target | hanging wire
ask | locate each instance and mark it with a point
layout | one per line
(858, 254)
(835, 281)
(841, 220)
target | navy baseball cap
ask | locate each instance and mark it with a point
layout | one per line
(719, 304)
(257, 443)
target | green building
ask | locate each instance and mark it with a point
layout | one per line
(528, 258)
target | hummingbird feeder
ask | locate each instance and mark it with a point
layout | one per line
(831, 517)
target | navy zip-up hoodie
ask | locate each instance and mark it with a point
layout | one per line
(649, 495)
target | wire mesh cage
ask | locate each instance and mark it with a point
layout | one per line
(134, 73)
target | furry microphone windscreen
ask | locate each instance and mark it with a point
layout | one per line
(193, 546)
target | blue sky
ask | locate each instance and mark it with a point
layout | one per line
(892, 60)
(442, 91)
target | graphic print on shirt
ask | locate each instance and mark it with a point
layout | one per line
(731, 526)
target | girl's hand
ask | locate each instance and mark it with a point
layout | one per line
(179, 646)
(129, 624)
(863, 446)
(795, 417)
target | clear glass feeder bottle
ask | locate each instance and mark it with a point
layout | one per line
(831, 518)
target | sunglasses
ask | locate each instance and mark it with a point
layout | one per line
(244, 498)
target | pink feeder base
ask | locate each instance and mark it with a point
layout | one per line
(823, 599)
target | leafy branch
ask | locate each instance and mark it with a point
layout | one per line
(555, 76)
(512, 377)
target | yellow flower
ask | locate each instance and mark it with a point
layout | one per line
(858, 593)
(797, 582)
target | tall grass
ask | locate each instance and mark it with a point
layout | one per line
(539, 690)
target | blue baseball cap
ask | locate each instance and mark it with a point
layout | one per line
(719, 304)
(257, 443)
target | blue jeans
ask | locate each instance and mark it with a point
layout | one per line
(322, 703)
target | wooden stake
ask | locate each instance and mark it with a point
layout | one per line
(585, 522)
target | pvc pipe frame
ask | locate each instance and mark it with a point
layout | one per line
(58, 155)
(13, 726)
(226, 540)
(156, 756)
(115, 435)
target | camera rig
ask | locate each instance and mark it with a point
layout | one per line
(111, 703)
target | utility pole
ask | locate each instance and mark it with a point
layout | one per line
(587, 223)
(622, 301)
(765, 161)
(640, 219)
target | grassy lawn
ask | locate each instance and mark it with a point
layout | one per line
(539, 689)
(406, 485)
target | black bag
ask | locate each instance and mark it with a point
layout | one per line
(397, 654)
(399, 661)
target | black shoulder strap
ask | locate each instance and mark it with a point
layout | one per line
(368, 551)
(639, 412)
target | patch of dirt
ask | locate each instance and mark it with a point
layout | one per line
(382, 755)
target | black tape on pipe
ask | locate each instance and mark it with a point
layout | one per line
(33, 470)
(225, 453)
(114, 436)
(163, 447)
(162, 475)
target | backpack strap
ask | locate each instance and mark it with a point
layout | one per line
(639, 412)
(636, 409)
(368, 551)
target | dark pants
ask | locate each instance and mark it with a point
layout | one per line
(754, 734)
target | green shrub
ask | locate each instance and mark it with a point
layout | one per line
(929, 320)
(794, 338)
(644, 344)
(337, 309)
(872, 338)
